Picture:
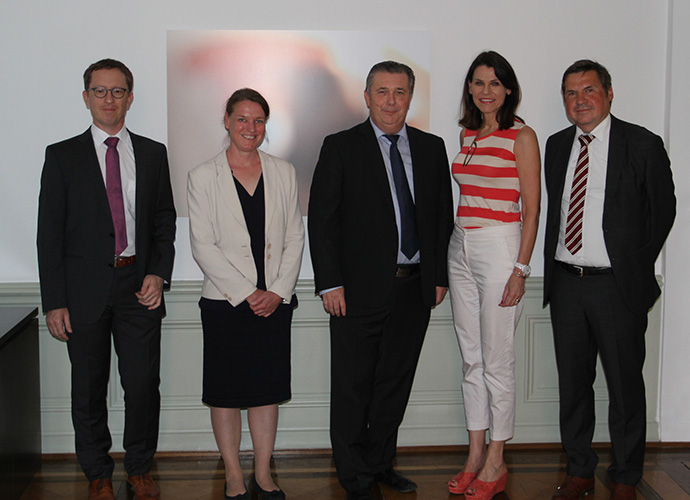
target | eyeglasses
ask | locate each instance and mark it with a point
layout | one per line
(101, 92)
(470, 153)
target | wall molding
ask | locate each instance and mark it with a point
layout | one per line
(435, 414)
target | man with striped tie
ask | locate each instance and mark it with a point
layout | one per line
(611, 205)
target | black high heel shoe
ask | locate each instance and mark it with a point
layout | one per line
(241, 496)
(266, 495)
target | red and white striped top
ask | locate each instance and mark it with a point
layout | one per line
(487, 175)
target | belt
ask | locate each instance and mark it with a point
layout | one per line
(124, 261)
(406, 270)
(584, 270)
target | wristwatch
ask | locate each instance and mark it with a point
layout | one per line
(524, 269)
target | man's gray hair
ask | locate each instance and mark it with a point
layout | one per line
(391, 67)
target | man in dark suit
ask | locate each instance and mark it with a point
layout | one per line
(380, 217)
(106, 228)
(611, 205)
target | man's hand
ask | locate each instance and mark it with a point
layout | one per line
(334, 302)
(440, 294)
(151, 291)
(58, 323)
(263, 303)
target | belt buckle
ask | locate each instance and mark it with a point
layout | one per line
(119, 261)
(580, 271)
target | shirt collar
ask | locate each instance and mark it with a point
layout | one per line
(99, 135)
(402, 132)
(600, 132)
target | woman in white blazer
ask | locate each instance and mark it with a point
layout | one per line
(247, 237)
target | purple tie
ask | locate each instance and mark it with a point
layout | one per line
(114, 188)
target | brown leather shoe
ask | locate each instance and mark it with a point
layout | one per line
(623, 492)
(101, 489)
(144, 487)
(574, 488)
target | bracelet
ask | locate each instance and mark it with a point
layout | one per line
(520, 275)
(525, 269)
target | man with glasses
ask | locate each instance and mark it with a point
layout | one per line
(106, 227)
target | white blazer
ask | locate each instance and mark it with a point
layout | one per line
(221, 245)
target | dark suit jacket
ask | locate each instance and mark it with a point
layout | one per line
(352, 229)
(639, 207)
(76, 241)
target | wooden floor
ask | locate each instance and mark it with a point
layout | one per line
(533, 474)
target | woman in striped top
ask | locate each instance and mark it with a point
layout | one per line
(497, 170)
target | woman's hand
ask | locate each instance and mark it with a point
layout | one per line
(263, 303)
(514, 290)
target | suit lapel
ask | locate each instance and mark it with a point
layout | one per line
(561, 158)
(140, 162)
(615, 158)
(372, 153)
(227, 190)
(92, 170)
(142, 197)
(416, 149)
(268, 169)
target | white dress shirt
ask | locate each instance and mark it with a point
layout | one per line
(593, 252)
(128, 176)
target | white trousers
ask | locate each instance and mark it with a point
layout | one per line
(480, 262)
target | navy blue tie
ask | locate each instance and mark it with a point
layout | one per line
(408, 224)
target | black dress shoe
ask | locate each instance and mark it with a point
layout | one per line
(266, 495)
(241, 496)
(395, 481)
(359, 495)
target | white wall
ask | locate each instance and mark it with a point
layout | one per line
(46, 46)
(675, 371)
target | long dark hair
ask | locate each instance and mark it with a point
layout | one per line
(471, 116)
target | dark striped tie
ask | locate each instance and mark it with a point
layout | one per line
(576, 210)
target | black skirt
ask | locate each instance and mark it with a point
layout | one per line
(246, 357)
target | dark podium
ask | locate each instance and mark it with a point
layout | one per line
(20, 400)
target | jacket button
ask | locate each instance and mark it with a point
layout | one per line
(268, 256)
